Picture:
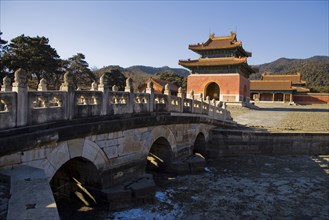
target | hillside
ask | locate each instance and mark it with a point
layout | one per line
(314, 70)
(140, 74)
(154, 70)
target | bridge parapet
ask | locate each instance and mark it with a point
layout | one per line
(20, 107)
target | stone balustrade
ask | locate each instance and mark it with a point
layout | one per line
(20, 107)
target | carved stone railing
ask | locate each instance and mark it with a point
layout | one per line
(20, 107)
(45, 106)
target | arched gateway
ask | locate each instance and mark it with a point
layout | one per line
(213, 91)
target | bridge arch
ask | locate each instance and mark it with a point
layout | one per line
(71, 149)
(162, 132)
(199, 145)
(160, 155)
(76, 180)
(160, 148)
(201, 138)
(205, 130)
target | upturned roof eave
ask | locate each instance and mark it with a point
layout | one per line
(205, 64)
(196, 48)
(189, 65)
(271, 90)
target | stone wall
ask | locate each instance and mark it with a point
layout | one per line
(311, 98)
(20, 107)
(7, 109)
(242, 142)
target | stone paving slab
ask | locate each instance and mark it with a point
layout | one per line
(30, 195)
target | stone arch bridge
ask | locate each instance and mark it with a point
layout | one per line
(101, 136)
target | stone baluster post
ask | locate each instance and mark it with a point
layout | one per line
(20, 87)
(168, 93)
(42, 85)
(129, 88)
(115, 99)
(201, 97)
(191, 96)
(201, 100)
(150, 90)
(94, 86)
(68, 86)
(219, 107)
(6, 85)
(105, 89)
(181, 95)
(209, 105)
(214, 107)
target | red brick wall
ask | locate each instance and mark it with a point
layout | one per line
(244, 82)
(228, 83)
(311, 98)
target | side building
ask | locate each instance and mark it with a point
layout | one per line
(277, 88)
(284, 88)
(222, 71)
(159, 86)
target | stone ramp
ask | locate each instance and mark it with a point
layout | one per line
(30, 194)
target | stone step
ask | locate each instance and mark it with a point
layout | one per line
(134, 192)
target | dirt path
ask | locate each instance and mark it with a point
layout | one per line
(282, 117)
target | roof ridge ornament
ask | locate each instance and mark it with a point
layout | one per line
(233, 36)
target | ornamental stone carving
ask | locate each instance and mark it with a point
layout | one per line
(20, 78)
(149, 88)
(180, 92)
(167, 89)
(3, 106)
(6, 84)
(191, 95)
(94, 86)
(68, 78)
(129, 85)
(103, 82)
(68, 81)
(42, 85)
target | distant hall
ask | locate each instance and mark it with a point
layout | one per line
(222, 71)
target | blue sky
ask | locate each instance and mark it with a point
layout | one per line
(157, 33)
